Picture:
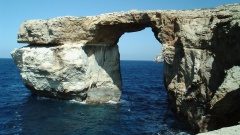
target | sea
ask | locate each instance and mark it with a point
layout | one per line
(143, 108)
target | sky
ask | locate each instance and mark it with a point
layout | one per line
(133, 46)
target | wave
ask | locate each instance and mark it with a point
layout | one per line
(78, 102)
(112, 102)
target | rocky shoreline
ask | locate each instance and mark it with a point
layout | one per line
(234, 130)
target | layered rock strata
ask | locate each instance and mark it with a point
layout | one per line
(71, 57)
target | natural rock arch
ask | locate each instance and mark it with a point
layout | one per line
(70, 57)
(140, 45)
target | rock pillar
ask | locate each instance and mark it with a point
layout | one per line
(71, 71)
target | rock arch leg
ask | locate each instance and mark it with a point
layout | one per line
(71, 71)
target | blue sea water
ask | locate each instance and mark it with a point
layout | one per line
(143, 108)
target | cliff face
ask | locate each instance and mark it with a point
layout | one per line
(159, 58)
(71, 71)
(70, 57)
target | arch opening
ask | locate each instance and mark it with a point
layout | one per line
(139, 45)
(137, 52)
(143, 90)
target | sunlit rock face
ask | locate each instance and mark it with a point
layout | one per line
(71, 57)
(159, 58)
(71, 71)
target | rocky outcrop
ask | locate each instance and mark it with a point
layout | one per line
(159, 58)
(71, 57)
(234, 130)
(71, 71)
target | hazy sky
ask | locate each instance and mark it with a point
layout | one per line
(133, 46)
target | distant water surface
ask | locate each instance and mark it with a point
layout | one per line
(143, 108)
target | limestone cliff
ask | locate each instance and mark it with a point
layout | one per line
(159, 58)
(71, 71)
(71, 57)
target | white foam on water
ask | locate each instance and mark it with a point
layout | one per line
(123, 101)
(25, 94)
(43, 98)
(112, 102)
(78, 102)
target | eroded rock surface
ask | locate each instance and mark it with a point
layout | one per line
(159, 58)
(234, 130)
(71, 71)
(201, 59)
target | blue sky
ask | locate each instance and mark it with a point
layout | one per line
(133, 46)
